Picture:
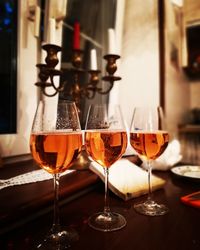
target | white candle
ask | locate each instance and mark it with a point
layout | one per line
(37, 21)
(93, 59)
(111, 42)
(51, 31)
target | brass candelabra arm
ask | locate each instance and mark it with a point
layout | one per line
(91, 88)
(53, 73)
(43, 86)
(105, 92)
(43, 71)
(111, 68)
(46, 73)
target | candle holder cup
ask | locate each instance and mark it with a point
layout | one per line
(111, 68)
(77, 58)
(48, 71)
(52, 54)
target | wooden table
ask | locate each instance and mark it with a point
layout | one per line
(179, 229)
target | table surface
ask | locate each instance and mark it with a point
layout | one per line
(179, 229)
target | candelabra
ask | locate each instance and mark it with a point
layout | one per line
(47, 72)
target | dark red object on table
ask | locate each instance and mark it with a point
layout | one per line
(192, 199)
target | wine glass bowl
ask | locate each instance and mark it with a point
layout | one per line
(105, 141)
(105, 146)
(149, 138)
(55, 142)
(149, 145)
(55, 151)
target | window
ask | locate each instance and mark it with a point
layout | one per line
(8, 65)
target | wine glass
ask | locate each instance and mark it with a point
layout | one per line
(149, 139)
(55, 141)
(105, 141)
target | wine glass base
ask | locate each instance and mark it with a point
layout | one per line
(107, 222)
(59, 240)
(151, 208)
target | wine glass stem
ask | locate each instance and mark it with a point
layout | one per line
(149, 181)
(106, 197)
(56, 218)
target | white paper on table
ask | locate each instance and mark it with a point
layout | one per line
(126, 179)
